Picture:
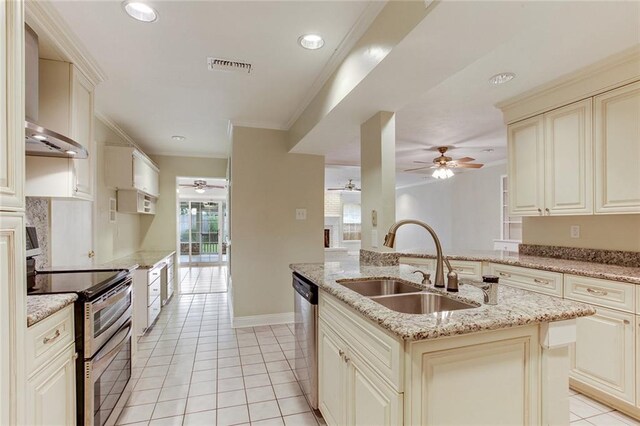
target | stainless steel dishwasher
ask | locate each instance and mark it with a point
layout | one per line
(306, 319)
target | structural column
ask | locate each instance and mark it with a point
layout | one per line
(378, 175)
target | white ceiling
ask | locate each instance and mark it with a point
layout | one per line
(158, 84)
(539, 41)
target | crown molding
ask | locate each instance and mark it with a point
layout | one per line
(46, 21)
(256, 124)
(107, 121)
(358, 29)
(212, 156)
(612, 72)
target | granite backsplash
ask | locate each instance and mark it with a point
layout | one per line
(37, 214)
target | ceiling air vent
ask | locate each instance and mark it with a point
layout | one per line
(217, 64)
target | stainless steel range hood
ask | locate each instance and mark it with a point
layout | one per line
(39, 140)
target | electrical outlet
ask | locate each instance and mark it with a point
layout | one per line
(301, 214)
(575, 231)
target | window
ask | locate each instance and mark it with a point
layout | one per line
(351, 222)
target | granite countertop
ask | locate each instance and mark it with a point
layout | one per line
(145, 259)
(42, 306)
(575, 267)
(515, 307)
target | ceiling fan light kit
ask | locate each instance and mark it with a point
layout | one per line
(443, 165)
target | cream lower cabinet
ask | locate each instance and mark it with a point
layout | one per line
(51, 382)
(51, 392)
(350, 393)
(604, 354)
(367, 376)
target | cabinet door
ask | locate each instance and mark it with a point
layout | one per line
(12, 321)
(139, 172)
(568, 147)
(332, 376)
(604, 354)
(51, 393)
(370, 401)
(526, 167)
(11, 107)
(82, 132)
(617, 150)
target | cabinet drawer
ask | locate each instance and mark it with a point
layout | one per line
(153, 311)
(427, 263)
(153, 292)
(466, 269)
(48, 338)
(529, 279)
(154, 274)
(383, 352)
(610, 294)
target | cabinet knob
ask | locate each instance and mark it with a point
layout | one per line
(540, 212)
(548, 212)
(347, 359)
(341, 353)
(91, 254)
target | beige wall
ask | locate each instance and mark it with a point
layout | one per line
(609, 232)
(113, 240)
(159, 232)
(267, 186)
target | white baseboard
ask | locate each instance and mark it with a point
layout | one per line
(268, 319)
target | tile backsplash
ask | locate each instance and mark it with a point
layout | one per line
(37, 214)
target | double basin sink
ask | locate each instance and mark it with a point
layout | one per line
(402, 297)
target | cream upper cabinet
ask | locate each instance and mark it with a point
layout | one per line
(526, 167)
(11, 100)
(617, 150)
(568, 158)
(604, 355)
(66, 106)
(128, 169)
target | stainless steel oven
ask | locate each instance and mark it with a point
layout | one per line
(105, 315)
(106, 375)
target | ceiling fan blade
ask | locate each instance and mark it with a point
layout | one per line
(417, 168)
(217, 186)
(335, 189)
(468, 166)
(422, 162)
(464, 160)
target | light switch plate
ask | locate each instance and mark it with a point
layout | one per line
(301, 214)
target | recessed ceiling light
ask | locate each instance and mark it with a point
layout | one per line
(488, 150)
(502, 78)
(140, 11)
(311, 41)
(178, 138)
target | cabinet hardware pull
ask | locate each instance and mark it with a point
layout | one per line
(548, 212)
(52, 338)
(341, 353)
(539, 281)
(598, 292)
(626, 322)
(347, 359)
(75, 356)
(540, 212)
(504, 274)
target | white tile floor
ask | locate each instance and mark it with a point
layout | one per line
(194, 369)
(206, 279)
(586, 411)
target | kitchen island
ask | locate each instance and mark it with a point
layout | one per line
(488, 364)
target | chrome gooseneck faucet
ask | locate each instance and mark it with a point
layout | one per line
(390, 240)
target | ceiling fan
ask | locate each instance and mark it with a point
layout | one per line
(349, 186)
(444, 164)
(201, 186)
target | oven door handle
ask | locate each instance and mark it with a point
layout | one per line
(101, 361)
(114, 298)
